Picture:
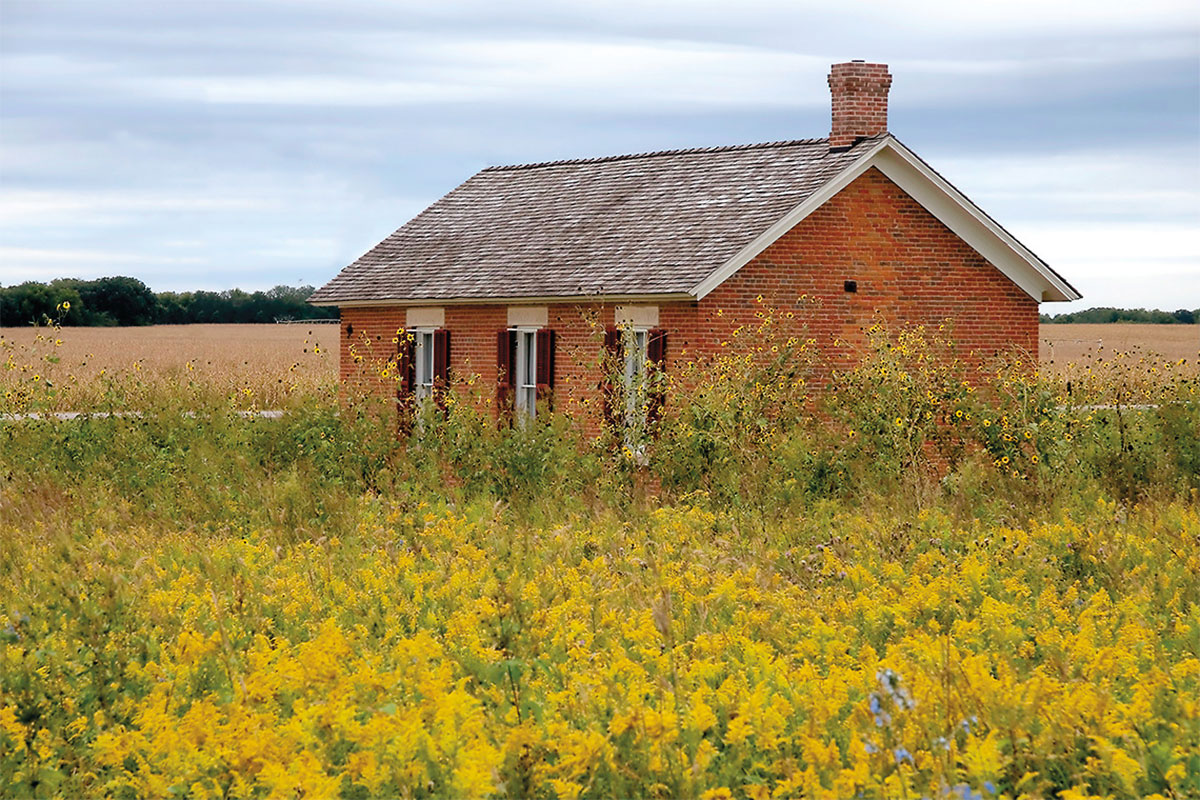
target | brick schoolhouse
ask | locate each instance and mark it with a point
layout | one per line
(510, 276)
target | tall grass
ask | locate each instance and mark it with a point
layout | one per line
(909, 423)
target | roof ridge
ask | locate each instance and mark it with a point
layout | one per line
(654, 153)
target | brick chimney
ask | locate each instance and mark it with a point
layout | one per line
(860, 98)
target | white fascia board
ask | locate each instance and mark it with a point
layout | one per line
(956, 211)
(934, 193)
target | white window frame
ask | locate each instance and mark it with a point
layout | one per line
(424, 357)
(525, 372)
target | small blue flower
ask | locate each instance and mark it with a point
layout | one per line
(882, 718)
(965, 792)
(901, 755)
(889, 681)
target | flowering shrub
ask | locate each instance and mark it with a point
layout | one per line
(909, 418)
(735, 419)
(902, 407)
(1124, 423)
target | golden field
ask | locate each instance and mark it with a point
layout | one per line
(243, 349)
(1061, 344)
(268, 361)
(263, 358)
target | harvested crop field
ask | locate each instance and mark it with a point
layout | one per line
(1066, 343)
(263, 361)
(312, 349)
(261, 366)
(237, 348)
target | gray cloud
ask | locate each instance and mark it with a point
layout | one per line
(210, 144)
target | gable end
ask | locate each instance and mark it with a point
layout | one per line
(934, 193)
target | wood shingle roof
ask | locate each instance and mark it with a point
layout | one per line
(646, 224)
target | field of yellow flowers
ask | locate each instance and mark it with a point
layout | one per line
(196, 603)
(432, 653)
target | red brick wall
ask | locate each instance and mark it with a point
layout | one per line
(366, 344)
(909, 268)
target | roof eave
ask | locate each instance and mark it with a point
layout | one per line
(524, 300)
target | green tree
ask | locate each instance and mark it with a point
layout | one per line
(33, 303)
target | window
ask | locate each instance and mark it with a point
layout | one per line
(635, 374)
(636, 359)
(423, 365)
(526, 373)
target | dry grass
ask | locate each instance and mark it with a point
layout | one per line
(260, 364)
(1063, 344)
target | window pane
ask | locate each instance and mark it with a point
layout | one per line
(526, 372)
(529, 344)
(635, 368)
(423, 369)
(635, 356)
(520, 368)
(427, 358)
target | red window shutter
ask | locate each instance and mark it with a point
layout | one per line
(612, 367)
(506, 356)
(612, 341)
(544, 340)
(441, 356)
(656, 356)
(441, 366)
(656, 346)
(406, 364)
(406, 368)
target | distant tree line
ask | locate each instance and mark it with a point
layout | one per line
(128, 301)
(1093, 315)
(1181, 317)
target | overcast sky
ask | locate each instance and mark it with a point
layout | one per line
(253, 142)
